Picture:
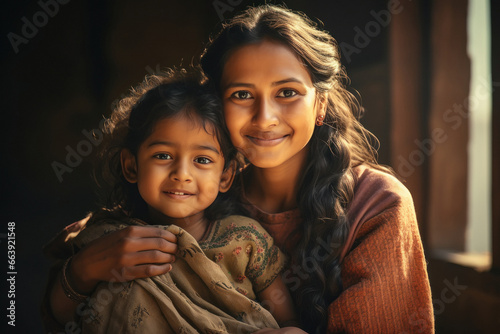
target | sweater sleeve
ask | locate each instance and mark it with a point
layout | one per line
(384, 276)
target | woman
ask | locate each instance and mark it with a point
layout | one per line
(357, 263)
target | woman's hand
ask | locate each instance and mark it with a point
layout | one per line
(134, 252)
(284, 330)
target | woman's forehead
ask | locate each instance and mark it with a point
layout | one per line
(269, 60)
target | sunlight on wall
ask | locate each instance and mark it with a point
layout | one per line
(478, 238)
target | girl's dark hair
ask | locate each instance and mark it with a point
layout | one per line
(163, 95)
(327, 183)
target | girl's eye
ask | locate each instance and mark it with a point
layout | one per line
(203, 160)
(242, 95)
(287, 93)
(163, 156)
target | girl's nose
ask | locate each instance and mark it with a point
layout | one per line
(266, 114)
(181, 172)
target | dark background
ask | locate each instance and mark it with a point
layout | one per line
(64, 79)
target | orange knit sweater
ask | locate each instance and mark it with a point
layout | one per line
(384, 276)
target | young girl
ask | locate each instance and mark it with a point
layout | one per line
(168, 162)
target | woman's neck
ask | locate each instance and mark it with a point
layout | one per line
(274, 190)
(196, 225)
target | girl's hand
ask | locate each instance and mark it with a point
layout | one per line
(284, 330)
(134, 252)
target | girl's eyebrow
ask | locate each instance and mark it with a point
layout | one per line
(196, 147)
(210, 148)
(276, 83)
(161, 142)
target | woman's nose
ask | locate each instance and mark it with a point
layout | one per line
(181, 172)
(266, 114)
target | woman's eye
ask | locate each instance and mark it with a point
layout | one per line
(287, 93)
(203, 160)
(242, 95)
(163, 156)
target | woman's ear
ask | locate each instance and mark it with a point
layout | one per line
(129, 165)
(227, 177)
(321, 101)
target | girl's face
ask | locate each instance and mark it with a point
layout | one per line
(178, 169)
(269, 104)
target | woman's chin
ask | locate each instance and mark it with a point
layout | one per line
(266, 163)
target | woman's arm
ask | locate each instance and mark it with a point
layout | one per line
(134, 252)
(384, 277)
(277, 300)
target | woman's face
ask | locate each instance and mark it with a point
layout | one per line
(269, 104)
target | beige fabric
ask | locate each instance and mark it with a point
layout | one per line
(246, 253)
(196, 296)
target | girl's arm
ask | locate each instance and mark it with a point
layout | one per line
(277, 300)
(134, 252)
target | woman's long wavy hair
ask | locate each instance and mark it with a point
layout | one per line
(160, 96)
(327, 183)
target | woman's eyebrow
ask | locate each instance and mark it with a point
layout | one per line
(239, 84)
(288, 80)
(276, 83)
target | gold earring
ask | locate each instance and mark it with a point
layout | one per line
(319, 120)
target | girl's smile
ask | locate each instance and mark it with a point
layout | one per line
(178, 194)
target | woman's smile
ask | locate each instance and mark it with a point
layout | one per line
(266, 138)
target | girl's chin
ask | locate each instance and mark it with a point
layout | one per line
(166, 217)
